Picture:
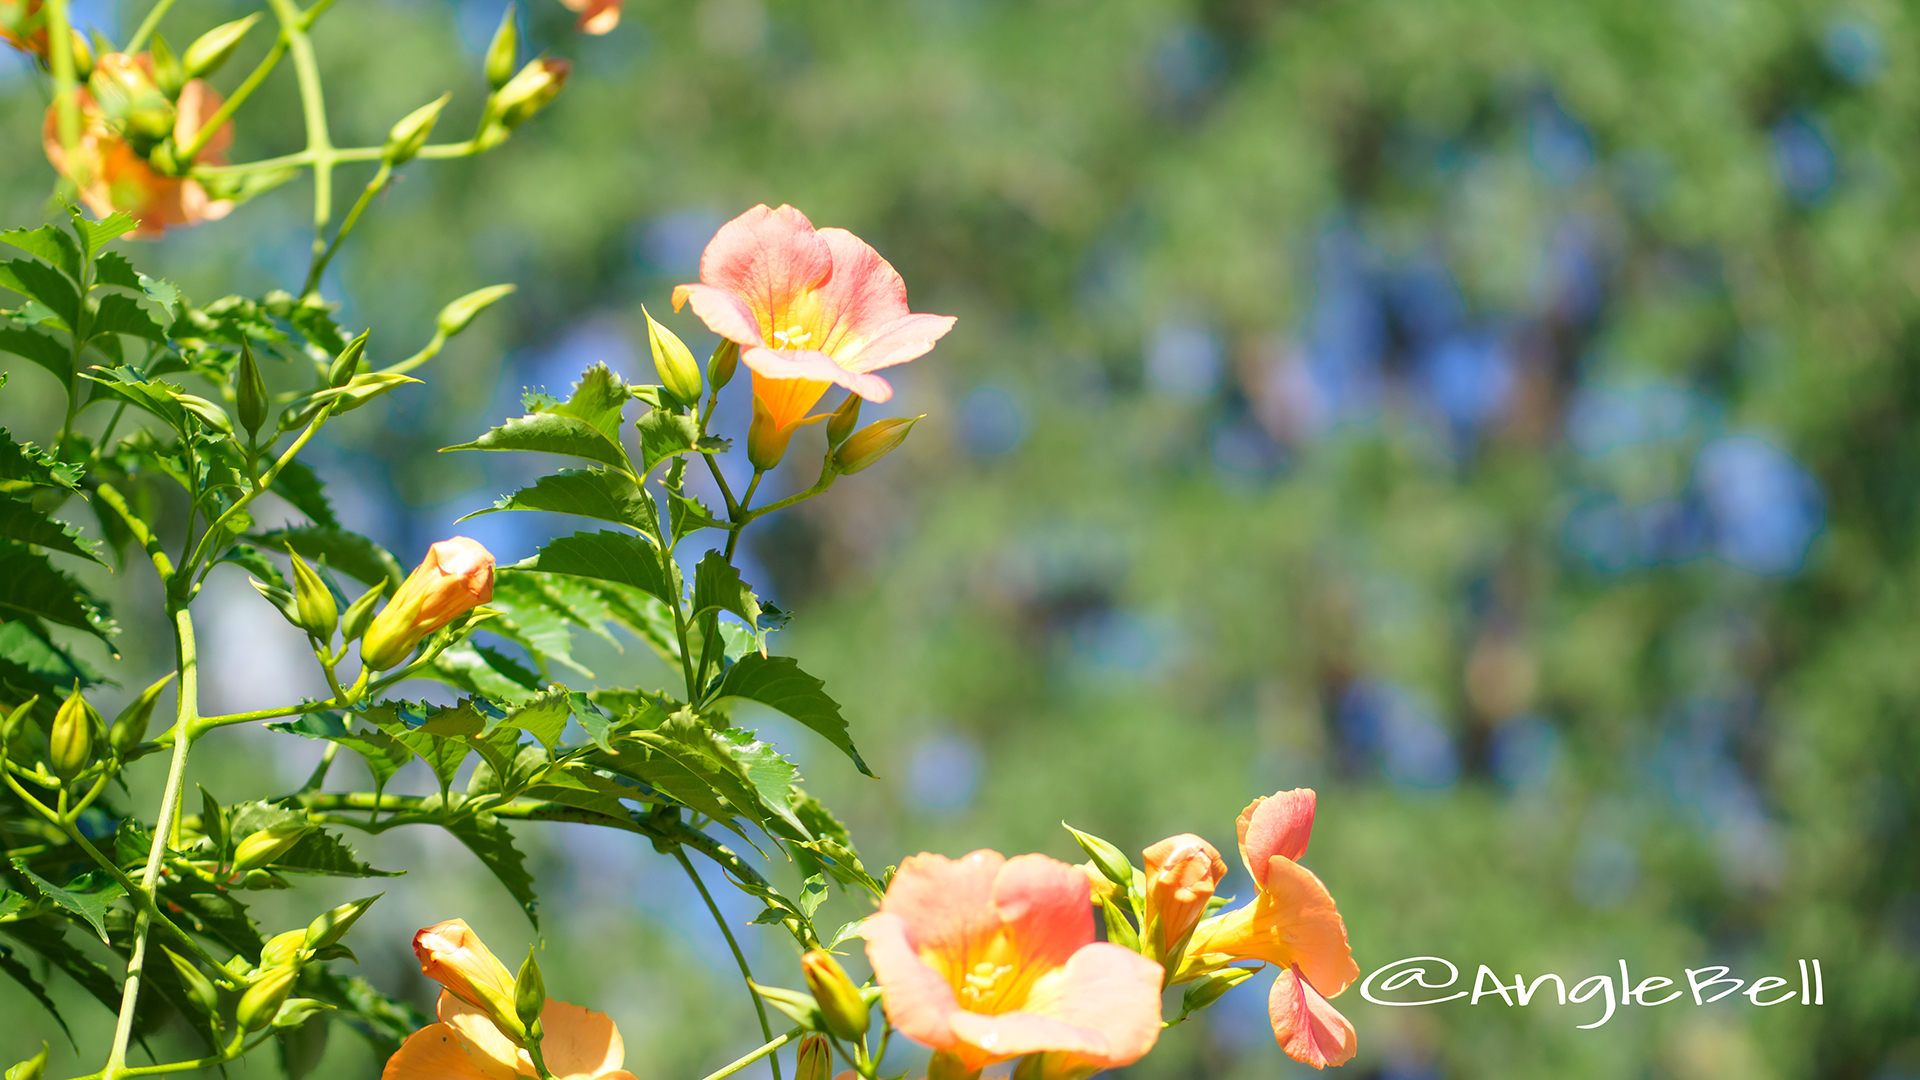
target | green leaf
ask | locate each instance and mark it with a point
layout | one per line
(35, 664)
(20, 521)
(357, 392)
(716, 584)
(24, 465)
(89, 896)
(598, 399)
(19, 973)
(112, 268)
(579, 787)
(300, 485)
(687, 514)
(771, 774)
(695, 748)
(624, 558)
(40, 281)
(778, 683)
(214, 913)
(486, 837)
(122, 314)
(384, 754)
(383, 1022)
(95, 234)
(441, 749)
(341, 549)
(158, 398)
(255, 562)
(544, 717)
(664, 433)
(551, 433)
(39, 347)
(488, 672)
(44, 936)
(509, 767)
(602, 494)
(318, 852)
(31, 586)
(48, 242)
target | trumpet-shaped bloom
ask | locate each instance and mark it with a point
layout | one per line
(810, 309)
(1292, 924)
(454, 578)
(467, 1044)
(989, 958)
(596, 16)
(1181, 874)
(111, 175)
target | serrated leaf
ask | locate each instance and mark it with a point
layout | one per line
(318, 852)
(384, 754)
(112, 268)
(716, 584)
(45, 937)
(486, 837)
(39, 347)
(40, 281)
(383, 1022)
(300, 485)
(550, 433)
(20, 521)
(404, 721)
(214, 913)
(161, 399)
(695, 748)
(122, 314)
(778, 683)
(95, 234)
(664, 433)
(624, 558)
(771, 774)
(48, 242)
(581, 788)
(688, 513)
(89, 896)
(35, 664)
(598, 399)
(19, 973)
(544, 717)
(31, 586)
(602, 494)
(341, 549)
(509, 767)
(484, 671)
(24, 465)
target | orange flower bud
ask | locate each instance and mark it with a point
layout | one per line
(1181, 874)
(454, 578)
(452, 955)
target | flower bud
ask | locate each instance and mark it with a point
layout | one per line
(249, 391)
(333, 925)
(453, 955)
(214, 48)
(455, 316)
(1181, 873)
(504, 52)
(14, 730)
(766, 442)
(359, 614)
(840, 1002)
(815, 1059)
(70, 746)
(529, 994)
(263, 847)
(347, 364)
(871, 443)
(264, 998)
(840, 424)
(130, 727)
(529, 91)
(454, 578)
(168, 75)
(673, 361)
(1106, 857)
(410, 134)
(281, 949)
(197, 988)
(1210, 989)
(314, 607)
(33, 1068)
(720, 366)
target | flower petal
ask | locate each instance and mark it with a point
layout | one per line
(898, 342)
(1181, 873)
(437, 1052)
(1107, 989)
(812, 366)
(724, 313)
(1278, 824)
(917, 997)
(578, 1042)
(863, 296)
(1308, 1028)
(769, 258)
(985, 1039)
(1292, 921)
(494, 1052)
(1044, 906)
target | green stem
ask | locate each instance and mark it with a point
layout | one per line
(147, 26)
(239, 96)
(208, 723)
(827, 477)
(233, 1050)
(346, 226)
(189, 697)
(66, 87)
(76, 342)
(302, 158)
(313, 106)
(740, 958)
(260, 486)
(770, 1046)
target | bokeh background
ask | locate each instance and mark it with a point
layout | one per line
(1497, 415)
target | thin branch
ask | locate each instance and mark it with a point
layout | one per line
(740, 958)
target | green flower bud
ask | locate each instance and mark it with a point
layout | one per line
(264, 998)
(14, 732)
(1108, 858)
(673, 361)
(871, 443)
(129, 729)
(455, 316)
(410, 134)
(840, 424)
(281, 949)
(529, 995)
(249, 391)
(263, 847)
(504, 52)
(1210, 989)
(529, 91)
(315, 610)
(278, 597)
(844, 1010)
(215, 47)
(726, 357)
(359, 614)
(197, 987)
(70, 746)
(33, 1068)
(168, 75)
(333, 925)
(347, 364)
(815, 1059)
(213, 819)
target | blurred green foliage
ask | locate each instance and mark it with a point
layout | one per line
(1496, 415)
